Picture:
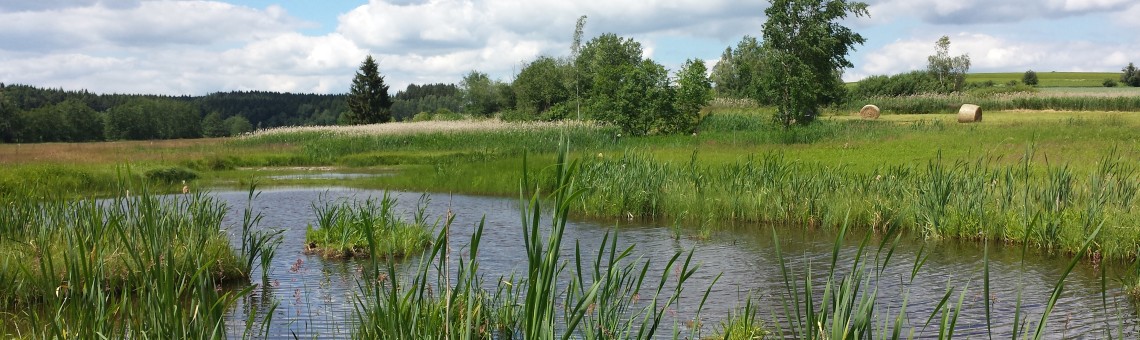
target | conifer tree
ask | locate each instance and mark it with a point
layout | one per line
(368, 100)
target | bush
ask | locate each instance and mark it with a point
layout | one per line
(903, 84)
(171, 175)
(1030, 78)
(1109, 83)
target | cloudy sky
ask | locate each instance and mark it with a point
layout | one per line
(198, 47)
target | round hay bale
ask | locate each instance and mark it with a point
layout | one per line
(969, 113)
(869, 112)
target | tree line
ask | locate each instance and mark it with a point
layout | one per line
(30, 114)
(606, 79)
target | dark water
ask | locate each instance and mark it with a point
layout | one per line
(315, 297)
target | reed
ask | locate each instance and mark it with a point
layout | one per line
(343, 229)
(1055, 204)
(602, 298)
(130, 266)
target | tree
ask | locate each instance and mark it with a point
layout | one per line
(1130, 75)
(212, 125)
(738, 73)
(950, 71)
(693, 92)
(483, 97)
(541, 85)
(1029, 78)
(368, 100)
(7, 118)
(806, 50)
(237, 125)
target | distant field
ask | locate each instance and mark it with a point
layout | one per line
(1050, 79)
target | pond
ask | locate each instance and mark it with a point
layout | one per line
(316, 297)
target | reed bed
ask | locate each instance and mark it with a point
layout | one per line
(330, 145)
(560, 296)
(1048, 100)
(342, 227)
(1053, 203)
(131, 266)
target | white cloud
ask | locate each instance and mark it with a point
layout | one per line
(200, 46)
(103, 26)
(962, 12)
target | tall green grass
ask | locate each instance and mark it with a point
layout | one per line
(609, 296)
(940, 199)
(936, 103)
(132, 266)
(342, 229)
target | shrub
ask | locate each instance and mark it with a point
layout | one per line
(1130, 75)
(1109, 83)
(1029, 78)
(171, 175)
(903, 84)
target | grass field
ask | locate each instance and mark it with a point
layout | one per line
(1055, 181)
(1049, 79)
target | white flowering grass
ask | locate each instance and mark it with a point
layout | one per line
(426, 127)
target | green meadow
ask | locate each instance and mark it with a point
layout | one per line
(1049, 79)
(1057, 182)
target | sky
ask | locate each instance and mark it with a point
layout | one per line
(199, 47)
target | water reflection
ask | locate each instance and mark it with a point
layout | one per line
(315, 297)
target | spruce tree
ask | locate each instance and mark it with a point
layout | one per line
(368, 100)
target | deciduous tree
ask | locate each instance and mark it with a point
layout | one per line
(950, 71)
(807, 49)
(1130, 75)
(1029, 78)
(693, 92)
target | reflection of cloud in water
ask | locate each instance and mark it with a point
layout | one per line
(324, 175)
(315, 297)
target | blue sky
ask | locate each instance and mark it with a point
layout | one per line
(198, 47)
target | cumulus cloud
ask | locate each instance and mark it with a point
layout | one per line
(989, 53)
(201, 46)
(145, 24)
(964, 12)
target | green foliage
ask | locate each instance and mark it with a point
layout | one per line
(903, 84)
(739, 73)
(950, 71)
(1130, 75)
(620, 88)
(541, 85)
(368, 100)
(213, 126)
(1109, 83)
(807, 48)
(170, 175)
(67, 121)
(153, 119)
(7, 118)
(237, 125)
(694, 91)
(426, 98)
(1030, 78)
(484, 97)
